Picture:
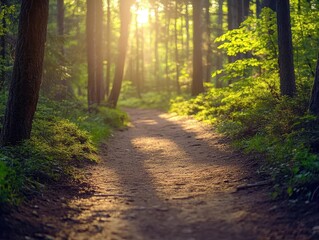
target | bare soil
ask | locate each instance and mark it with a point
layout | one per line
(165, 177)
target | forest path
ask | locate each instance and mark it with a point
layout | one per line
(170, 177)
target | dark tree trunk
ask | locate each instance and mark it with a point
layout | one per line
(270, 4)
(232, 19)
(209, 44)
(108, 48)
(258, 8)
(100, 93)
(125, 14)
(3, 51)
(245, 6)
(314, 100)
(27, 72)
(187, 30)
(285, 58)
(233, 14)
(90, 46)
(197, 81)
(219, 58)
(60, 22)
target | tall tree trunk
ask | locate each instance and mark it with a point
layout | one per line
(156, 64)
(90, 45)
(232, 14)
(197, 81)
(142, 83)
(314, 100)
(108, 48)
(270, 4)
(3, 50)
(246, 5)
(187, 30)
(167, 19)
(231, 21)
(285, 58)
(209, 44)
(137, 59)
(125, 14)
(178, 88)
(60, 22)
(100, 93)
(219, 58)
(258, 8)
(27, 72)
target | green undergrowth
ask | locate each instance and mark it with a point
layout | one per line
(64, 139)
(149, 100)
(258, 121)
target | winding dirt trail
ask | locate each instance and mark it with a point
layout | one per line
(164, 178)
(168, 177)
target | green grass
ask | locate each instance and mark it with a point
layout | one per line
(64, 139)
(151, 100)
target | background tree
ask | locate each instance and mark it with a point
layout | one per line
(197, 81)
(125, 14)
(60, 23)
(314, 100)
(27, 72)
(3, 46)
(90, 46)
(285, 57)
(99, 74)
(108, 48)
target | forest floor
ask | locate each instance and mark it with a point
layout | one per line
(165, 177)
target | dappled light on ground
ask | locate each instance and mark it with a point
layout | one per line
(169, 178)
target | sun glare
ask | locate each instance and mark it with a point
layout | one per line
(142, 16)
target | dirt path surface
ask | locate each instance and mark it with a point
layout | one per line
(170, 178)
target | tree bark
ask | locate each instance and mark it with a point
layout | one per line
(100, 93)
(197, 81)
(270, 4)
(219, 57)
(178, 88)
(167, 20)
(125, 14)
(27, 72)
(285, 58)
(187, 30)
(142, 80)
(209, 44)
(137, 59)
(258, 8)
(156, 43)
(3, 51)
(108, 48)
(60, 22)
(314, 100)
(90, 47)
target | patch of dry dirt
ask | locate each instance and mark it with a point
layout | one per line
(166, 177)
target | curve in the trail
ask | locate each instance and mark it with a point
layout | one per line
(168, 177)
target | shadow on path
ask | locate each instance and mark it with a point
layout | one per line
(171, 178)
